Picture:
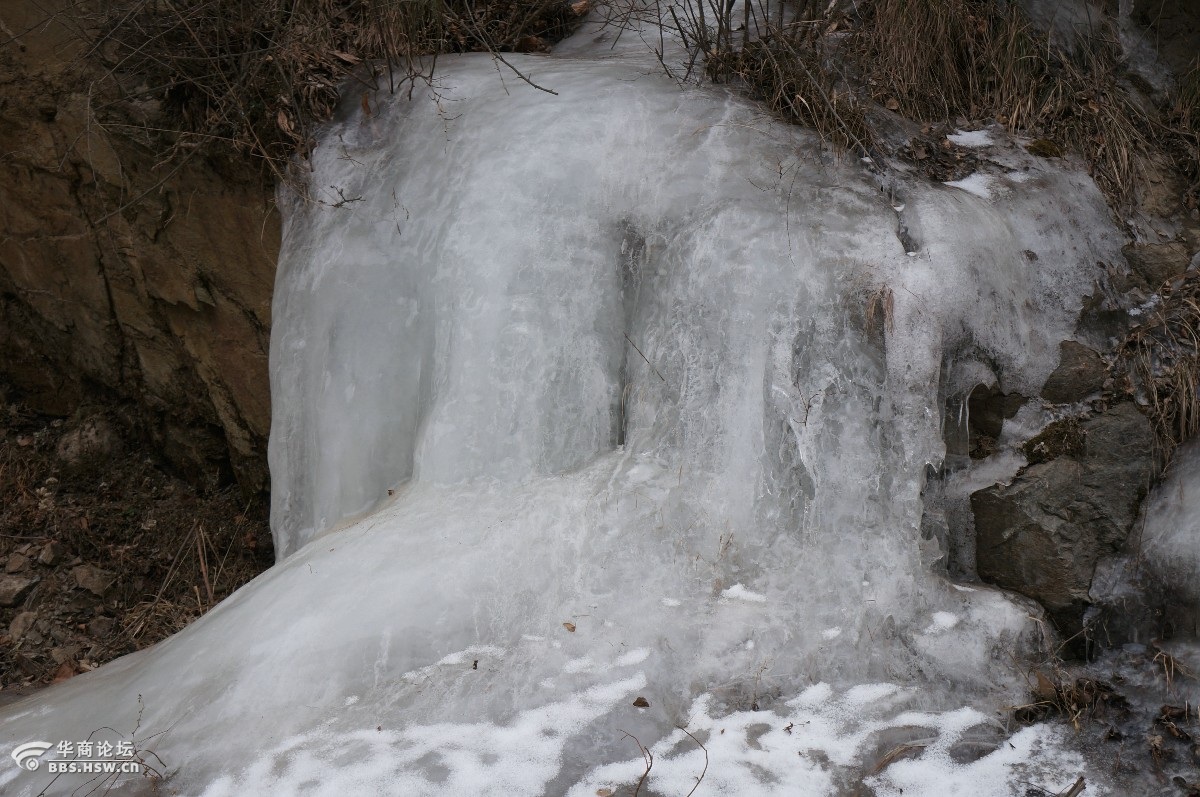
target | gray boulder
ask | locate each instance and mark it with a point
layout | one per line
(1080, 373)
(1042, 534)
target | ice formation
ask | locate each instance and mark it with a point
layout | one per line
(624, 391)
(1170, 540)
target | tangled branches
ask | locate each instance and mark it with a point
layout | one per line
(251, 79)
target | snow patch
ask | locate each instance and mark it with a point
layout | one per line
(971, 138)
(979, 184)
(942, 621)
(739, 592)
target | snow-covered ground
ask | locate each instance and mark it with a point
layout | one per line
(621, 392)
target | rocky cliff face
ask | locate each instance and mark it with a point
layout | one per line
(146, 284)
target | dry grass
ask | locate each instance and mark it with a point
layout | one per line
(1184, 121)
(942, 61)
(1159, 363)
(1078, 700)
(778, 53)
(228, 77)
(790, 80)
(935, 59)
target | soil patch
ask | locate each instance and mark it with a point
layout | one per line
(103, 550)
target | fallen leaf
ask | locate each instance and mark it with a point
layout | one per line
(641, 702)
(1045, 688)
(65, 670)
(532, 44)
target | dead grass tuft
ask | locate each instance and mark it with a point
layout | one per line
(942, 61)
(1184, 118)
(1078, 700)
(1159, 363)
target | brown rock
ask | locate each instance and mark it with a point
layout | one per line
(14, 588)
(93, 579)
(1079, 374)
(17, 563)
(100, 627)
(94, 438)
(1157, 263)
(21, 623)
(26, 665)
(64, 654)
(52, 553)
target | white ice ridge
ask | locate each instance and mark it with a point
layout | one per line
(630, 357)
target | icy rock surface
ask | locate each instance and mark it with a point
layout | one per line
(653, 385)
(1170, 543)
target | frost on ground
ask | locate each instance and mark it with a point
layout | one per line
(621, 392)
(818, 743)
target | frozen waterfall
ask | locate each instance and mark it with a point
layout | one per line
(624, 391)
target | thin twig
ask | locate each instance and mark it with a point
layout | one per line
(1076, 789)
(639, 351)
(705, 749)
(647, 756)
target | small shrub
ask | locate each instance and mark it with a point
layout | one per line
(940, 61)
(252, 78)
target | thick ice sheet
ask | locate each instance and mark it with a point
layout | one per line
(636, 359)
(1170, 540)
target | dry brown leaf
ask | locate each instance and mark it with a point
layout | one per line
(1045, 688)
(65, 671)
